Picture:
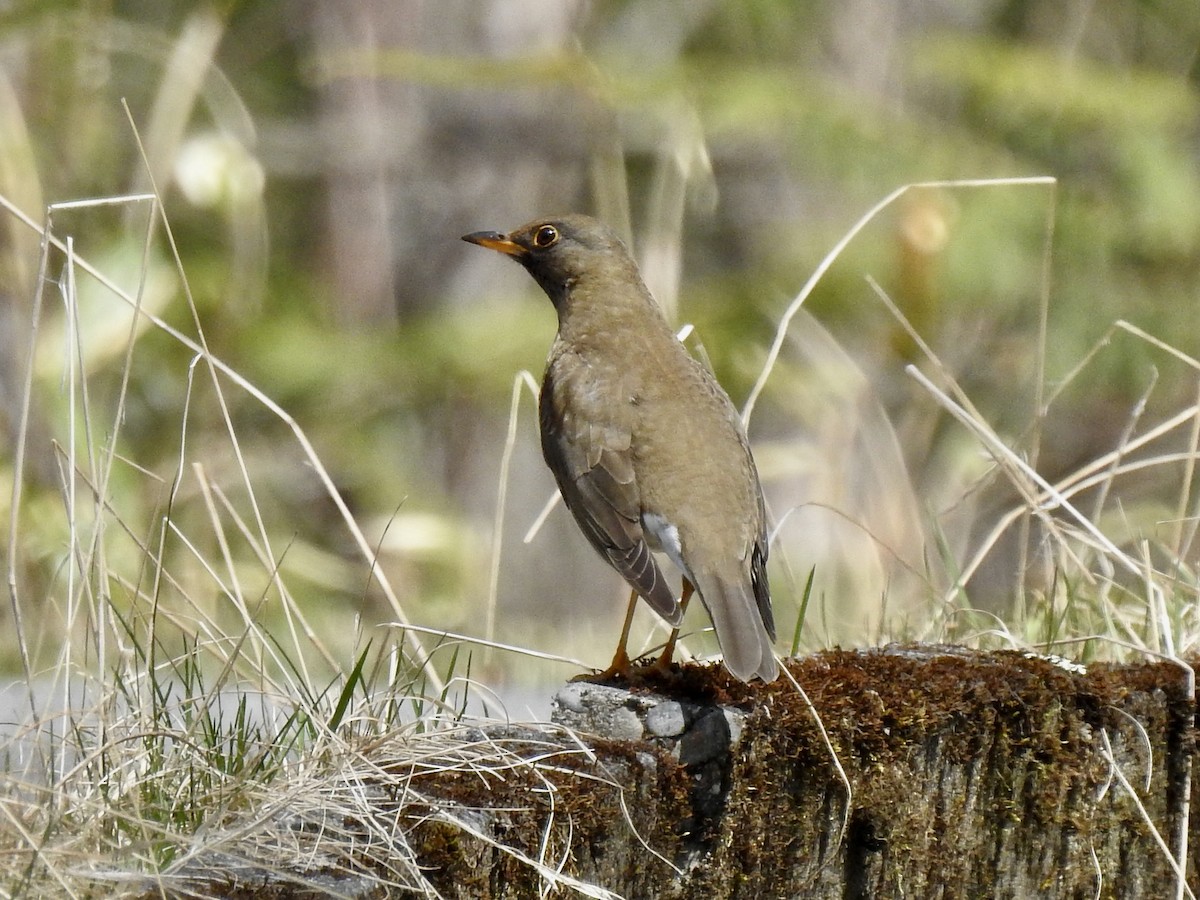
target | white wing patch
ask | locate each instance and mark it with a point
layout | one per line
(661, 535)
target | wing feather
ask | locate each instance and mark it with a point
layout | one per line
(589, 450)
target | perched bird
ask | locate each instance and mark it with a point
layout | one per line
(647, 449)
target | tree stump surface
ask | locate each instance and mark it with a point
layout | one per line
(909, 771)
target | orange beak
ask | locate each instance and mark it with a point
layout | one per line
(493, 240)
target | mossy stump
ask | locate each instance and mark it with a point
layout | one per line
(958, 774)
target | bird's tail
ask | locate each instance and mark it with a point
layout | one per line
(743, 636)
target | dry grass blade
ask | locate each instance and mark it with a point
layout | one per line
(1178, 864)
(216, 366)
(832, 256)
(1001, 453)
(523, 379)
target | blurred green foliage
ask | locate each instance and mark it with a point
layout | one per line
(748, 137)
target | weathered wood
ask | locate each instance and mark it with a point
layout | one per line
(970, 774)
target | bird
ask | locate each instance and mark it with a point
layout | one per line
(647, 449)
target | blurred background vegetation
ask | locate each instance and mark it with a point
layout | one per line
(318, 160)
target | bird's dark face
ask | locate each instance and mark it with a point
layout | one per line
(558, 252)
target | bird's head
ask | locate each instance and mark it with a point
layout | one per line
(559, 252)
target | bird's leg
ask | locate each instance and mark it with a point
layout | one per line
(621, 665)
(664, 661)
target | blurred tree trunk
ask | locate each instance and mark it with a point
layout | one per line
(408, 157)
(365, 120)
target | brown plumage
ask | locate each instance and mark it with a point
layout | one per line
(647, 449)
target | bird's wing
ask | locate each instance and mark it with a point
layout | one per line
(588, 446)
(758, 552)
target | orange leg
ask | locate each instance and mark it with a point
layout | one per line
(621, 664)
(664, 661)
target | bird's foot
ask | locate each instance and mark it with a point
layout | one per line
(663, 666)
(665, 661)
(621, 669)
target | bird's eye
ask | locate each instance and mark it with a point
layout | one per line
(545, 236)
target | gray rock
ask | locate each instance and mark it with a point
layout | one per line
(666, 719)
